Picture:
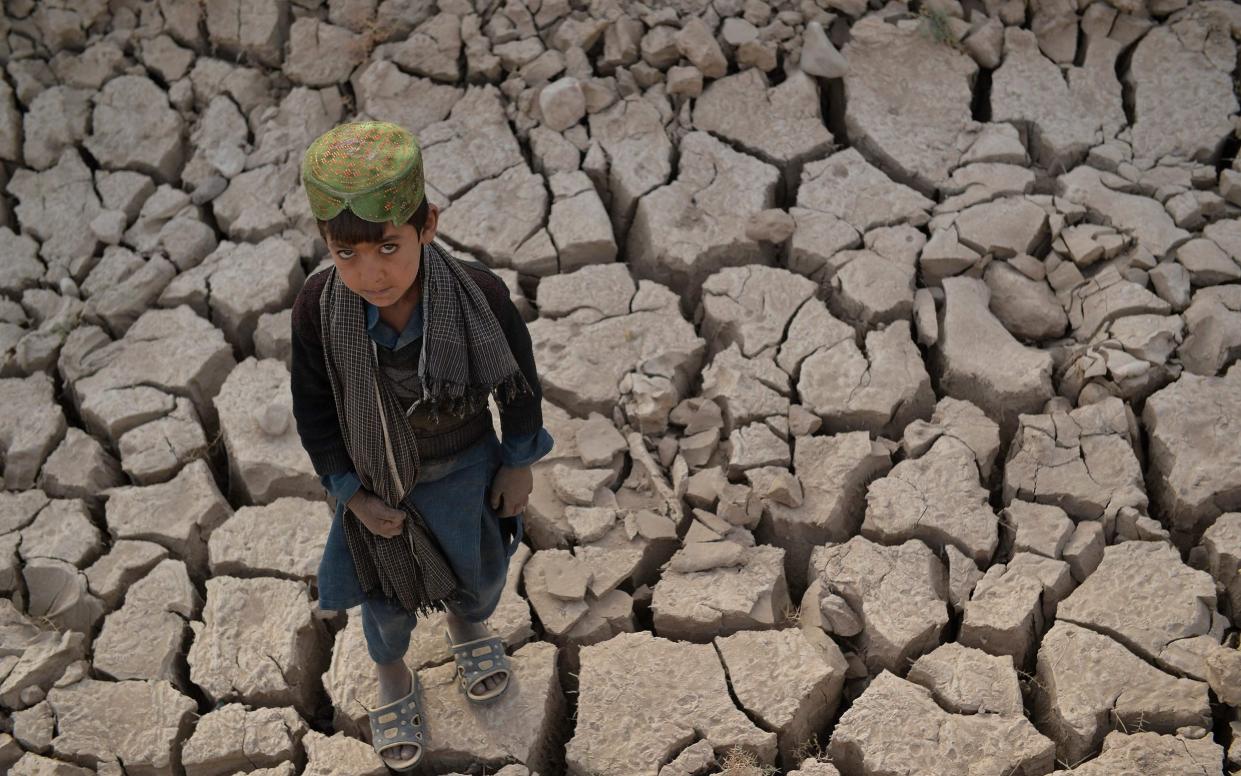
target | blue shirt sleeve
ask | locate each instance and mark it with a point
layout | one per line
(524, 449)
(342, 485)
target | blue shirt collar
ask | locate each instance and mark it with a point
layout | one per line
(385, 335)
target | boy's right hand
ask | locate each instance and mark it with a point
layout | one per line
(378, 517)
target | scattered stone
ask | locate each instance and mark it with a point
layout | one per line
(1004, 615)
(1106, 297)
(896, 726)
(20, 267)
(1222, 542)
(1143, 218)
(58, 119)
(818, 56)
(1223, 673)
(772, 226)
(1038, 528)
(551, 153)
(696, 42)
(34, 658)
(752, 306)
(685, 81)
(121, 301)
(53, 205)
(959, 420)
(1028, 308)
(249, 209)
(562, 103)
(1212, 319)
(32, 764)
(1153, 754)
(265, 658)
(283, 539)
(625, 681)
(433, 50)
(849, 188)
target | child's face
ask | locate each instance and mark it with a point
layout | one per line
(383, 273)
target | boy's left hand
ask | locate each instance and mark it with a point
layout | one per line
(510, 490)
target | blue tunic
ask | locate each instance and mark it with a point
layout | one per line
(451, 495)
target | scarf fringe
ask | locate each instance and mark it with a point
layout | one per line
(458, 399)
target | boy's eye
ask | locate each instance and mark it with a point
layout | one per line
(344, 254)
(386, 246)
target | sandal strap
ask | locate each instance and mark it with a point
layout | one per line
(478, 659)
(398, 723)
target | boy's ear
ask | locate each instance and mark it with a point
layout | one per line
(428, 230)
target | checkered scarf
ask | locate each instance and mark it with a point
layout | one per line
(464, 356)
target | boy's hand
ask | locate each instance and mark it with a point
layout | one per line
(510, 490)
(378, 517)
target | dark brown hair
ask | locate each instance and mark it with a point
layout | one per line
(347, 229)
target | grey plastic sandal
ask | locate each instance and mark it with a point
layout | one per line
(397, 724)
(478, 659)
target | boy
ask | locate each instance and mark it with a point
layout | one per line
(395, 349)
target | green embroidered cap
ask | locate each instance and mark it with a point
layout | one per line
(374, 168)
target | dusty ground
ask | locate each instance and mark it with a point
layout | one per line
(889, 351)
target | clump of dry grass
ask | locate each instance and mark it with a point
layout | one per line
(742, 762)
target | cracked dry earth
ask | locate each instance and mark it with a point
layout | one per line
(890, 351)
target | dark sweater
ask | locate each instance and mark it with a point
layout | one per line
(314, 408)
